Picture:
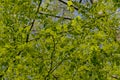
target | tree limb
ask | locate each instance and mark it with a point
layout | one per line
(32, 24)
(43, 13)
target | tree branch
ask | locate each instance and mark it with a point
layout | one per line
(55, 67)
(66, 4)
(32, 24)
(51, 58)
(43, 13)
(91, 1)
(80, 1)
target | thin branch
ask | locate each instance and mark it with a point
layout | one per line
(57, 64)
(52, 54)
(55, 67)
(51, 58)
(66, 4)
(32, 24)
(91, 1)
(80, 1)
(43, 13)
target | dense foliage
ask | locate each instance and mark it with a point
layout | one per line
(59, 40)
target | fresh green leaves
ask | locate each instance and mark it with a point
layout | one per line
(67, 40)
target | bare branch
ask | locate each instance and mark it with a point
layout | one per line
(43, 13)
(32, 24)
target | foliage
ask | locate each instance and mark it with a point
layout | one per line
(45, 40)
(117, 3)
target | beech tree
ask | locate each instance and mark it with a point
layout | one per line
(59, 40)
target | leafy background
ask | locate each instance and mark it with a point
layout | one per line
(59, 40)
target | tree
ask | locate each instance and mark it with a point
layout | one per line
(59, 40)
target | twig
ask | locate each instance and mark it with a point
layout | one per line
(71, 5)
(43, 13)
(32, 24)
(55, 67)
(80, 1)
(51, 58)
